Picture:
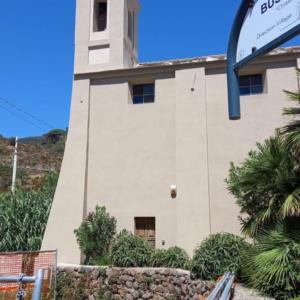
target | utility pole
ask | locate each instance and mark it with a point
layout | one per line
(13, 185)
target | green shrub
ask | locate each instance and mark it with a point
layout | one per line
(266, 186)
(174, 257)
(130, 251)
(95, 234)
(24, 216)
(104, 260)
(218, 254)
(273, 265)
(158, 258)
(68, 288)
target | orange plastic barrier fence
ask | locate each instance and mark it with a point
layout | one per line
(27, 263)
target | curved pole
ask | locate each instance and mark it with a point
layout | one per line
(232, 73)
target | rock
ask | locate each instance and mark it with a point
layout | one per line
(135, 283)
(107, 295)
(135, 294)
(147, 295)
(125, 278)
(159, 289)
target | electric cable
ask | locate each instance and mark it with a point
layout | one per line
(23, 119)
(26, 113)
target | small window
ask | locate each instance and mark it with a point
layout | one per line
(100, 15)
(251, 84)
(131, 26)
(143, 93)
(145, 228)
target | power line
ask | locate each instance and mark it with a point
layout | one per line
(23, 119)
(26, 113)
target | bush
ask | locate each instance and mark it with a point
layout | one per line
(273, 265)
(130, 251)
(24, 216)
(174, 257)
(266, 186)
(218, 254)
(95, 234)
(158, 257)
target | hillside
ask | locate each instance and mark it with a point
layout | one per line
(36, 157)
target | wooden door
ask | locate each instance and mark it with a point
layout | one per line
(145, 228)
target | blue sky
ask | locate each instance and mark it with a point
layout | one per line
(37, 49)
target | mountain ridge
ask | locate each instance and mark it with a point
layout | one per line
(37, 156)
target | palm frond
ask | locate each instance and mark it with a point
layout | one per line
(270, 265)
(291, 206)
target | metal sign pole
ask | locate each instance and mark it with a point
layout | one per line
(232, 73)
(260, 11)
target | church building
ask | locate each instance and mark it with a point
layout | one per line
(152, 142)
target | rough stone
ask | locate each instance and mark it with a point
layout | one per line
(147, 295)
(136, 283)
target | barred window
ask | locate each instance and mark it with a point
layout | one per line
(143, 93)
(251, 84)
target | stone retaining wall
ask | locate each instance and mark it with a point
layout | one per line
(97, 283)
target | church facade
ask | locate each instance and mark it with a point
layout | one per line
(152, 142)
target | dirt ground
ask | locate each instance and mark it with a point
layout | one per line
(242, 293)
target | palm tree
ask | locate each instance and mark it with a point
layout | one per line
(291, 132)
(266, 186)
(272, 265)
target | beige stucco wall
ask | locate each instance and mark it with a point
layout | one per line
(69, 205)
(132, 156)
(191, 158)
(232, 140)
(127, 156)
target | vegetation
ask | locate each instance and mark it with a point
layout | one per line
(218, 254)
(273, 264)
(291, 132)
(95, 235)
(53, 141)
(24, 215)
(267, 188)
(174, 257)
(5, 177)
(130, 251)
(66, 288)
(36, 158)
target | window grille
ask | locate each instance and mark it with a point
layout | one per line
(251, 84)
(143, 93)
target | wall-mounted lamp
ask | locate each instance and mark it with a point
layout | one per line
(173, 191)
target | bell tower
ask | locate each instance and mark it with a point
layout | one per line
(106, 39)
(106, 35)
